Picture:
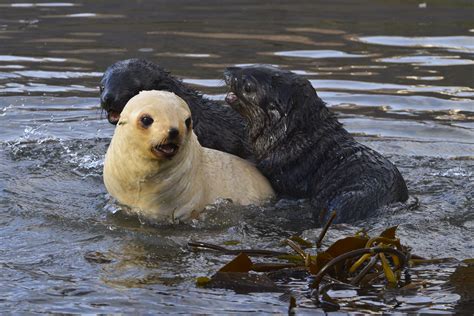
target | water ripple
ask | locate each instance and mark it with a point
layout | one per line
(32, 5)
(13, 87)
(390, 87)
(316, 54)
(205, 82)
(456, 43)
(57, 74)
(428, 60)
(14, 58)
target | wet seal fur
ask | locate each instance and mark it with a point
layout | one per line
(216, 126)
(156, 166)
(304, 151)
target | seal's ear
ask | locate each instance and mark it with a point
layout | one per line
(122, 122)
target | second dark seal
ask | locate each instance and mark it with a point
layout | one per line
(304, 150)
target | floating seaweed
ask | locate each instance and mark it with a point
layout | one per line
(351, 263)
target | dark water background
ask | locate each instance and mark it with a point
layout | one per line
(399, 74)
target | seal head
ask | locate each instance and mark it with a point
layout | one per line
(125, 79)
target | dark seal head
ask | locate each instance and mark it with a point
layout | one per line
(250, 89)
(125, 79)
(304, 150)
(276, 101)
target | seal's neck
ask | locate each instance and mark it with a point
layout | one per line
(297, 130)
(179, 183)
(312, 130)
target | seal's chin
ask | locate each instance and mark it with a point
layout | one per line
(165, 150)
(113, 117)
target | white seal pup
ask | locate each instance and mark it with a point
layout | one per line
(156, 166)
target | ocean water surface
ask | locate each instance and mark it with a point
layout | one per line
(399, 75)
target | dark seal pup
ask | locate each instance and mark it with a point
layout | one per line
(303, 149)
(216, 126)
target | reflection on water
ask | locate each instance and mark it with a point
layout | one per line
(57, 74)
(428, 60)
(317, 54)
(294, 39)
(9, 58)
(453, 43)
(30, 5)
(398, 75)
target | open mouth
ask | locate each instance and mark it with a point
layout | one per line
(165, 150)
(231, 98)
(113, 117)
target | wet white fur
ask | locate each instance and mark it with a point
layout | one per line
(180, 187)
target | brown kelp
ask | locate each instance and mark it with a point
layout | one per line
(355, 262)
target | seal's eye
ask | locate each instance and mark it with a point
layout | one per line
(101, 88)
(248, 87)
(188, 122)
(146, 120)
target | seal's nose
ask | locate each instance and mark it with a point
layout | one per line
(173, 132)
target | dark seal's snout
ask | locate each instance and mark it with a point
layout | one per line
(111, 105)
(107, 100)
(231, 81)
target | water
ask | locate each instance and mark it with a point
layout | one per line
(399, 76)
